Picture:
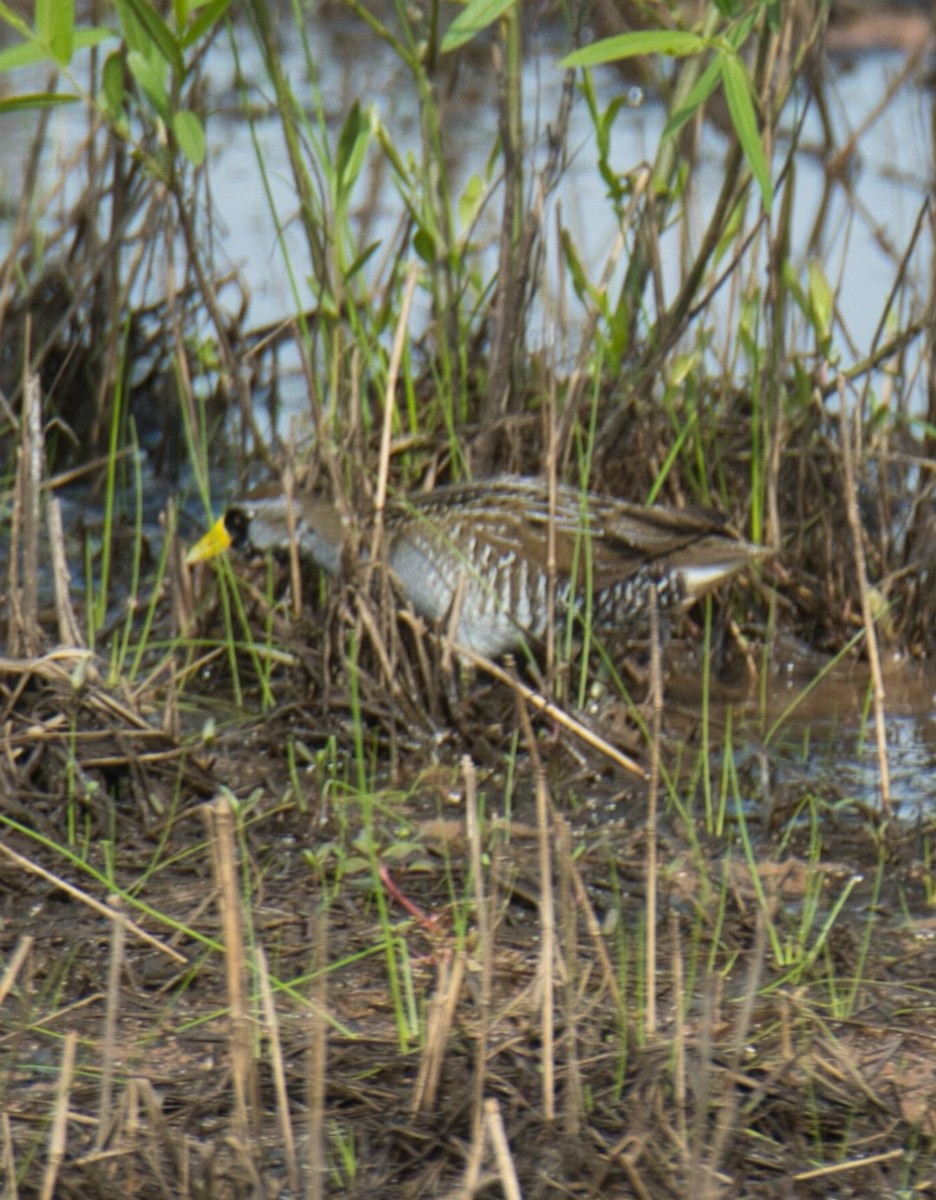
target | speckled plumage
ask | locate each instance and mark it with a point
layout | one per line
(482, 549)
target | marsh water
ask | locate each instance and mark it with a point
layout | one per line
(859, 227)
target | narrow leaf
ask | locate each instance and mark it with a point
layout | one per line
(190, 134)
(209, 16)
(744, 119)
(698, 94)
(36, 100)
(15, 20)
(674, 42)
(113, 93)
(352, 147)
(821, 300)
(476, 16)
(31, 51)
(55, 25)
(158, 32)
(150, 75)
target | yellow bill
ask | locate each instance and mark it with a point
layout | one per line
(215, 542)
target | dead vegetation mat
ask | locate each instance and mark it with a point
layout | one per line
(369, 1048)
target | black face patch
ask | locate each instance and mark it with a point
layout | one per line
(237, 523)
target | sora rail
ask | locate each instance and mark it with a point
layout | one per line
(476, 554)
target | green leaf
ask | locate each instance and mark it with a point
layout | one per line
(698, 94)
(580, 281)
(190, 134)
(23, 54)
(424, 245)
(36, 100)
(470, 201)
(821, 301)
(676, 43)
(386, 144)
(794, 287)
(15, 20)
(31, 51)
(740, 99)
(361, 261)
(144, 29)
(210, 15)
(113, 93)
(476, 16)
(150, 74)
(55, 26)
(352, 147)
(93, 35)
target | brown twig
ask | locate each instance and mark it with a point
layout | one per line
(867, 616)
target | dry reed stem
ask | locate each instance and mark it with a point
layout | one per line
(853, 1164)
(473, 1164)
(598, 940)
(386, 435)
(58, 1134)
(679, 1030)
(549, 709)
(288, 480)
(23, 634)
(317, 1059)
(7, 1159)
(32, 465)
(861, 572)
(485, 939)
(656, 699)
(440, 1016)
(494, 1125)
(14, 963)
(76, 893)
(717, 1140)
(69, 631)
(278, 1071)
(118, 940)
(552, 486)
(219, 818)
(547, 917)
(573, 1092)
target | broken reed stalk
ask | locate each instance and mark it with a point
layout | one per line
(118, 941)
(219, 818)
(278, 1071)
(506, 1168)
(656, 700)
(547, 916)
(70, 890)
(8, 1169)
(440, 1016)
(14, 964)
(713, 1135)
(680, 1093)
(573, 1092)
(317, 1057)
(389, 408)
(485, 935)
(548, 708)
(58, 1134)
(23, 568)
(69, 631)
(867, 616)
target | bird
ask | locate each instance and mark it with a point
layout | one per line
(476, 555)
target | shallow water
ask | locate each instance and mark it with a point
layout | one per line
(863, 232)
(810, 726)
